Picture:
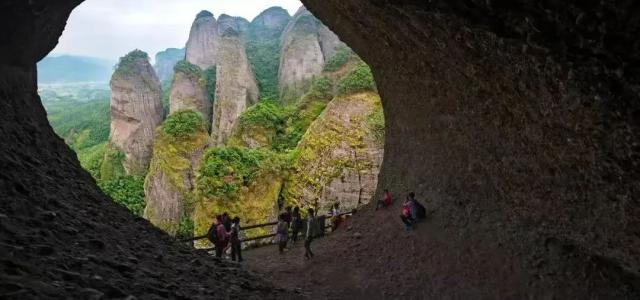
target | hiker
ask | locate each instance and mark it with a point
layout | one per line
(309, 235)
(418, 212)
(212, 232)
(335, 216)
(406, 217)
(222, 237)
(385, 201)
(296, 224)
(236, 246)
(226, 220)
(282, 233)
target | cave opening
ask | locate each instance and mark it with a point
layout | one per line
(237, 114)
(517, 128)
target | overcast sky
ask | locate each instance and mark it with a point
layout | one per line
(111, 28)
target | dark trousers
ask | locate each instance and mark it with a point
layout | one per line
(236, 250)
(407, 221)
(294, 234)
(219, 247)
(307, 248)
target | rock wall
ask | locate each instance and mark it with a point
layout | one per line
(202, 45)
(60, 237)
(273, 18)
(136, 110)
(171, 178)
(237, 24)
(165, 60)
(340, 156)
(188, 92)
(236, 87)
(306, 45)
(520, 141)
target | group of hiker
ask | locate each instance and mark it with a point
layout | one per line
(292, 219)
(412, 209)
(224, 233)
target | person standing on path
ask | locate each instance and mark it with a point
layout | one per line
(308, 254)
(236, 244)
(282, 233)
(296, 224)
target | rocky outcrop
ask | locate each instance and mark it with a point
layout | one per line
(171, 177)
(273, 19)
(165, 61)
(202, 45)
(340, 156)
(237, 24)
(188, 91)
(236, 88)
(262, 42)
(136, 110)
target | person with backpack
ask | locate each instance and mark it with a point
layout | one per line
(406, 217)
(282, 233)
(222, 237)
(212, 234)
(418, 211)
(308, 254)
(296, 224)
(385, 201)
(236, 246)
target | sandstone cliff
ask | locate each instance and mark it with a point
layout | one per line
(171, 178)
(136, 110)
(306, 45)
(202, 44)
(262, 42)
(340, 155)
(236, 88)
(188, 90)
(238, 24)
(165, 61)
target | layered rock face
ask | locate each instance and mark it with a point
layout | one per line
(171, 177)
(301, 57)
(188, 91)
(201, 47)
(236, 88)
(274, 18)
(340, 156)
(64, 238)
(520, 142)
(165, 61)
(237, 24)
(136, 110)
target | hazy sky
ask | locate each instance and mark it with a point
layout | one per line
(111, 28)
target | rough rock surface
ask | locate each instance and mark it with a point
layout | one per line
(171, 178)
(305, 47)
(189, 92)
(136, 111)
(237, 24)
(274, 18)
(339, 157)
(60, 237)
(523, 141)
(165, 60)
(236, 87)
(202, 45)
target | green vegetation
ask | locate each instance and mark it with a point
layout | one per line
(263, 51)
(185, 228)
(182, 123)
(224, 171)
(81, 124)
(359, 79)
(187, 68)
(127, 191)
(112, 166)
(342, 56)
(375, 122)
(91, 158)
(126, 65)
(210, 83)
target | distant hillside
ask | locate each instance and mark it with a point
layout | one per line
(68, 68)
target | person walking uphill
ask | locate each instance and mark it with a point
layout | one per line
(308, 254)
(236, 245)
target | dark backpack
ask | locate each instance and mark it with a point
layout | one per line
(421, 212)
(212, 234)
